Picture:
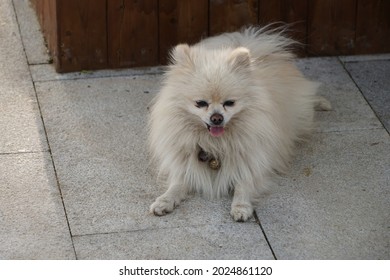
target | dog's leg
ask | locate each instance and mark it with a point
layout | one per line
(242, 208)
(165, 203)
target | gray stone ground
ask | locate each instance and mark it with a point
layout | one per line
(75, 182)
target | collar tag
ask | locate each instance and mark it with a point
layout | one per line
(206, 157)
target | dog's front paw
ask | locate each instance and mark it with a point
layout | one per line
(241, 212)
(163, 205)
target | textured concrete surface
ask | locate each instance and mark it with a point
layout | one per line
(46, 72)
(332, 205)
(33, 223)
(32, 38)
(32, 219)
(75, 180)
(20, 122)
(350, 110)
(373, 79)
(213, 241)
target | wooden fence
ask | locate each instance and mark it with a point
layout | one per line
(96, 34)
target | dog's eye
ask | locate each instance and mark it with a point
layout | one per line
(201, 104)
(229, 103)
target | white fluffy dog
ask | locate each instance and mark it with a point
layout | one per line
(228, 116)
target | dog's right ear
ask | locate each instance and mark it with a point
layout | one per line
(181, 54)
(240, 58)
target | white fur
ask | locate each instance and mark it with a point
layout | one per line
(274, 107)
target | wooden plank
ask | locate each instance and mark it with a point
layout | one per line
(373, 27)
(132, 33)
(231, 15)
(181, 22)
(288, 11)
(94, 34)
(291, 12)
(331, 27)
(82, 35)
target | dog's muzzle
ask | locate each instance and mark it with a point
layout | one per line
(215, 126)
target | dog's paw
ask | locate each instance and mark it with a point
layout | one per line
(163, 205)
(241, 212)
(322, 104)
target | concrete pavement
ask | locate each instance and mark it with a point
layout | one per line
(75, 181)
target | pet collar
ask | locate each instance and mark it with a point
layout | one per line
(206, 157)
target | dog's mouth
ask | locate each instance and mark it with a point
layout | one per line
(215, 131)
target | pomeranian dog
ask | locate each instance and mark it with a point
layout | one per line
(227, 117)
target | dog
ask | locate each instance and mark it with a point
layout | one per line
(227, 118)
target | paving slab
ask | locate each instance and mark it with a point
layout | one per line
(33, 41)
(13, 69)
(373, 79)
(350, 109)
(32, 219)
(46, 72)
(227, 241)
(20, 123)
(334, 204)
(366, 57)
(97, 133)
(96, 128)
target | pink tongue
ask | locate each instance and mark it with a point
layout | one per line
(217, 130)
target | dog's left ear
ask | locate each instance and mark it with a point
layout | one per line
(240, 58)
(181, 54)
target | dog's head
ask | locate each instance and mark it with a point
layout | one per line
(215, 84)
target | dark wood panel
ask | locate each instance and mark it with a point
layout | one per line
(132, 33)
(289, 11)
(95, 34)
(82, 36)
(331, 27)
(181, 22)
(292, 12)
(373, 26)
(231, 15)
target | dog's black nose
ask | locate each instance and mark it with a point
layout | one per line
(216, 119)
